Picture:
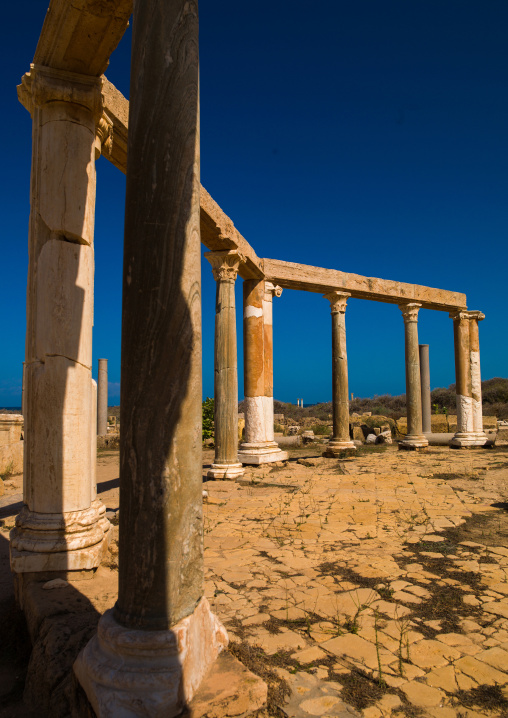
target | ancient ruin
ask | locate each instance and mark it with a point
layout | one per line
(153, 649)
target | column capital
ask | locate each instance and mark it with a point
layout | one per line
(43, 85)
(459, 315)
(273, 290)
(225, 264)
(410, 311)
(479, 316)
(338, 301)
(104, 135)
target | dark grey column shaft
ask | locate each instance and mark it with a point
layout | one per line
(425, 387)
(161, 542)
(102, 398)
(225, 268)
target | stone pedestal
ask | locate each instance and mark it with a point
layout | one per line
(226, 465)
(153, 649)
(414, 438)
(102, 398)
(60, 527)
(340, 440)
(259, 446)
(469, 432)
(425, 387)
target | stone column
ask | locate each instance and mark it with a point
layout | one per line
(153, 649)
(259, 446)
(340, 440)
(425, 386)
(467, 362)
(414, 438)
(476, 376)
(225, 268)
(102, 398)
(60, 527)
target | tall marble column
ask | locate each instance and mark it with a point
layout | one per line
(153, 649)
(414, 438)
(259, 446)
(102, 398)
(340, 440)
(61, 527)
(425, 387)
(476, 376)
(225, 269)
(467, 365)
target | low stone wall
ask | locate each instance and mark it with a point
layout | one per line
(11, 443)
(445, 424)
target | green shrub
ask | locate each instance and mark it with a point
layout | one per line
(322, 429)
(208, 410)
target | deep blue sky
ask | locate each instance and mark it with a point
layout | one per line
(369, 137)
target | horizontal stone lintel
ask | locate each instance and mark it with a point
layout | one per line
(218, 233)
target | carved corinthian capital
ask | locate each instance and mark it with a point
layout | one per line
(478, 316)
(459, 315)
(338, 301)
(43, 85)
(273, 290)
(225, 264)
(410, 311)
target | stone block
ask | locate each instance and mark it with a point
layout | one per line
(12, 454)
(358, 434)
(439, 423)
(452, 423)
(401, 425)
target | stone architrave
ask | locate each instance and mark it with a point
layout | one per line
(467, 380)
(60, 527)
(476, 376)
(414, 438)
(259, 446)
(225, 269)
(102, 398)
(340, 440)
(425, 387)
(153, 649)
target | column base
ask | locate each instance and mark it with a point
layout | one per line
(468, 440)
(337, 446)
(261, 453)
(70, 541)
(413, 441)
(130, 672)
(227, 472)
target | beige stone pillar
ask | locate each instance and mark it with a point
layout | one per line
(414, 438)
(60, 527)
(102, 398)
(466, 351)
(259, 446)
(153, 649)
(340, 440)
(425, 386)
(225, 269)
(476, 376)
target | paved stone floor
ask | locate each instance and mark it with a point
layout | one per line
(371, 586)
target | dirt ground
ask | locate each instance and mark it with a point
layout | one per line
(375, 585)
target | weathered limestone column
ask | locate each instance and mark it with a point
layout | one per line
(467, 380)
(476, 376)
(102, 398)
(225, 269)
(425, 387)
(60, 527)
(153, 649)
(340, 390)
(259, 446)
(414, 438)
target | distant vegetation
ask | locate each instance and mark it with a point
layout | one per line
(494, 394)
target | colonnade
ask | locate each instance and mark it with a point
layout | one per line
(153, 648)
